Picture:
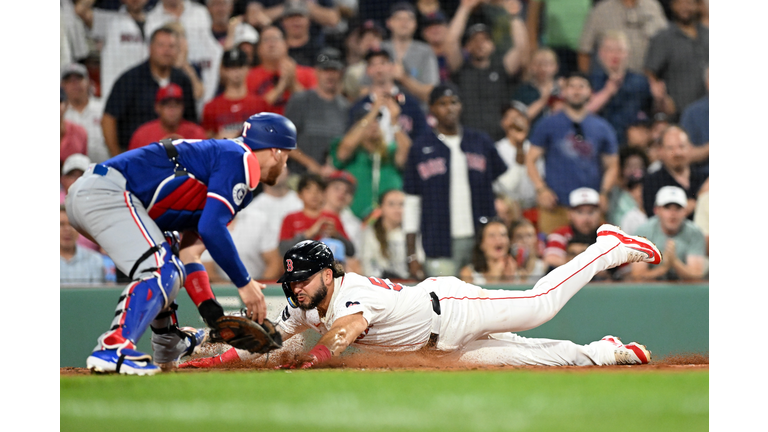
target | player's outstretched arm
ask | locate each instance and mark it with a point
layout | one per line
(343, 332)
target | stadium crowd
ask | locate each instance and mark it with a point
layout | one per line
(485, 139)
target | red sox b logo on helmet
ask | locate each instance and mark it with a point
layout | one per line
(289, 265)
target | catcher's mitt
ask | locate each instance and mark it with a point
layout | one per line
(243, 333)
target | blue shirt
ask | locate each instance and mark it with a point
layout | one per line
(428, 175)
(571, 163)
(222, 176)
(632, 102)
(86, 267)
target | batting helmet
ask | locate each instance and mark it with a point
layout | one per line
(302, 261)
(269, 130)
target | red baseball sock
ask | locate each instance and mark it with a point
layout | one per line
(197, 284)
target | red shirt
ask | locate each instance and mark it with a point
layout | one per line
(227, 116)
(75, 140)
(557, 241)
(299, 222)
(152, 131)
(260, 81)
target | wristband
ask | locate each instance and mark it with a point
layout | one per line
(321, 353)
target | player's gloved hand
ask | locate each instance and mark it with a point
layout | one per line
(211, 311)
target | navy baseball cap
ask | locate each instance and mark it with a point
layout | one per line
(475, 29)
(402, 6)
(433, 19)
(377, 52)
(515, 105)
(234, 58)
(444, 89)
(329, 58)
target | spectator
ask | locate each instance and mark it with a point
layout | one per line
(701, 213)
(638, 19)
(416, 66)
(221, 23)
(295, 23)
(131, 104)
(558, 24)
(695, 121)
(676, 170)
(434, 31)
(77, 265)
(448, 180)
(507, 210)
(541, 92)
(622, 96)
(313, 221)
(277, 202)
(169, 105)
(73, 168)
(322, 13)
(383, 253)
(658, 126)
(182, 62)
(320, 115)
(245, 38)
(256, 245)
(584, 217)
(488, 76)
(527, 251)
(122, 35)
(678, 56)
(515, 183)
(579, 150)
(367, 37)
(380, 70)
(578, 244)
(339, 190)
(224, 115)
(83, 109)
(625, 208)
(638, 135)
(201, 49)
(277, 77)
(373, 161)
(73, 138)
(678, 239)
(491, 259)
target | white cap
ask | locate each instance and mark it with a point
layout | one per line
(671, 195)
(245, 32)
(583, 196)
(75, 161)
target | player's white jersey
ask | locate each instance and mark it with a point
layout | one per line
(399, 317)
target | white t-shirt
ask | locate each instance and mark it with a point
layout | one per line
(373, 261)
(252, 238)
(399, 317)
(90, 120)
(204, 51)
(276, 208)
(462, 224)
(124, 45)
(353, 226)
(515, 182)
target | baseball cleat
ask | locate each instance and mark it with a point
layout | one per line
(126, 362)
(639, 249)
(632, 354)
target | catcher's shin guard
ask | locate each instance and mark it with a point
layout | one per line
(169, 342)
(141, 301)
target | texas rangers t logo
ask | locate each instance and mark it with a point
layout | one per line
(289, 265)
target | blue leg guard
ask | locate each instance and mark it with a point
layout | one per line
(139, 304)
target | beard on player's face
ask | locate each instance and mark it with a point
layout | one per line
(272, 174)
(316, 298)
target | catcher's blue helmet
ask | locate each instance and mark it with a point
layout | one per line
(269, 130)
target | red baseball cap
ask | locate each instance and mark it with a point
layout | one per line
(171, 91)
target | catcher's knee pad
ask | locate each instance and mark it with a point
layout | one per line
(141, 301)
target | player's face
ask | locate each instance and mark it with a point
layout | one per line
(585, 218)
(447, 110)
(311, 292)
(272, 173)
(495, 243)
(68, 234)
(577, 92)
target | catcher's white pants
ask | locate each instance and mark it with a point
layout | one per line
(471, 316)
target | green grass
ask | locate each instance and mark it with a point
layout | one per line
(340, 400)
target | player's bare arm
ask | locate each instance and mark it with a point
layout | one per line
(342, 333)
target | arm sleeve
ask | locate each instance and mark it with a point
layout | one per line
(497, 164)
(215, 235)
(101, 21)
(656, 56)
(290, 321)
